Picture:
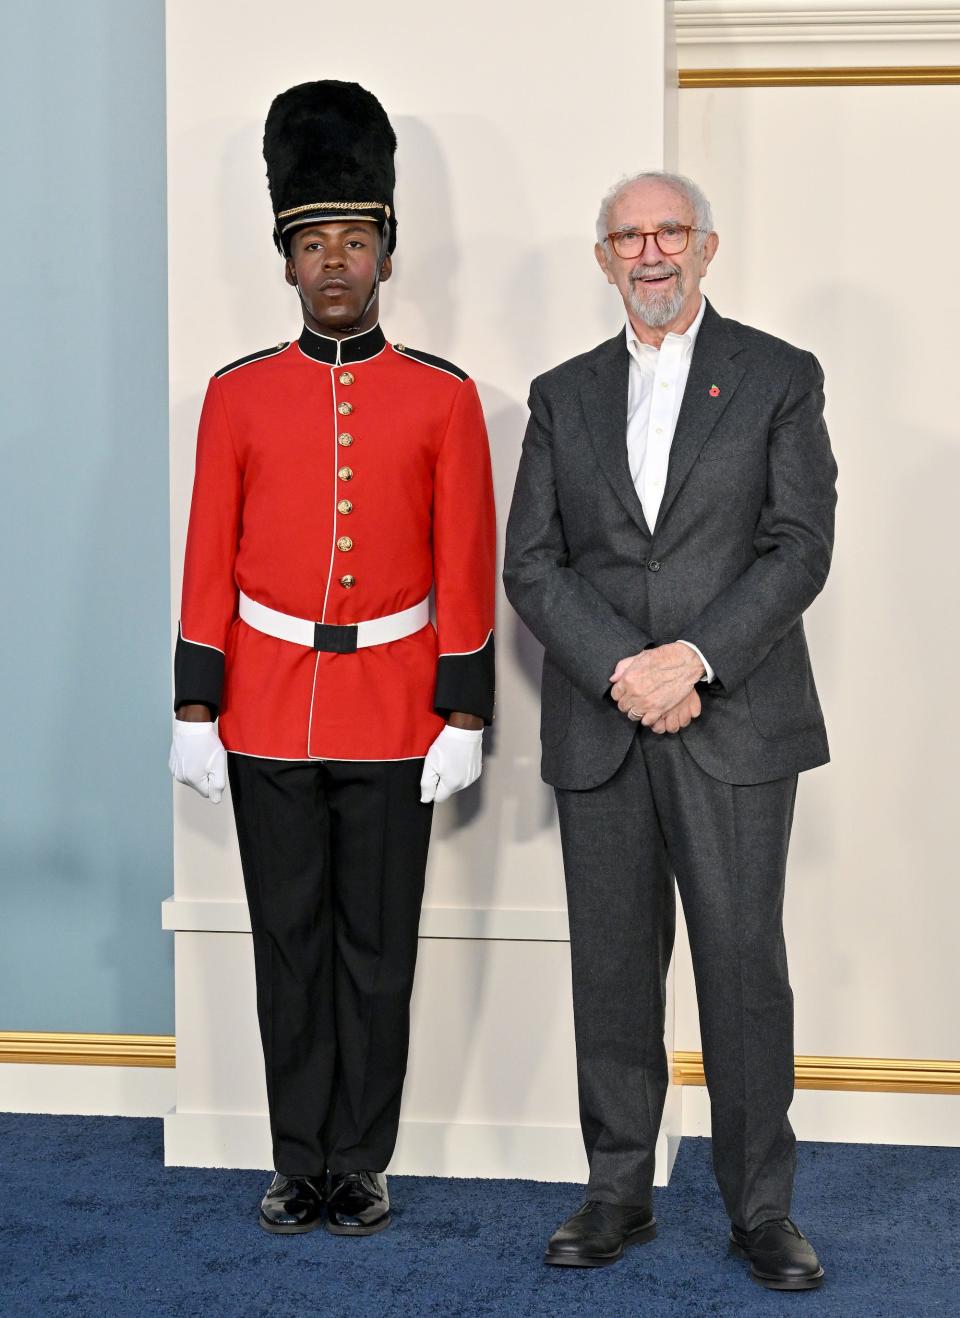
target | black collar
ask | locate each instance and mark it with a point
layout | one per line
(336, 352)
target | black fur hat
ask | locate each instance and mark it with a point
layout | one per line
(329, 150)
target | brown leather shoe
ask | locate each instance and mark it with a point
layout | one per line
(781, 1257)
(597, 1234)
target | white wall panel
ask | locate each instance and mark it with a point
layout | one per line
(491, 1089)
(512, 121)
(835, 211)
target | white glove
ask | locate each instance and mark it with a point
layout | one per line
(452, 763)
(197, 758)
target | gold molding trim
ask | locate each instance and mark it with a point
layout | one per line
(88, 1049)
(889, 1075)
(878, 1075)
(918, 75)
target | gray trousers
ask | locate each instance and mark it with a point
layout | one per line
(661, 815)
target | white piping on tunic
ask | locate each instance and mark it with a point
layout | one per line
(201, 643)
(313, 692)
(336, 467)
(455, 654)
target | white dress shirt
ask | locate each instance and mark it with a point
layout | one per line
(658, 377)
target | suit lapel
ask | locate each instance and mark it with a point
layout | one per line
(603, 396)
(711, 368)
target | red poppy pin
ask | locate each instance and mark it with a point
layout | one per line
(714, 391)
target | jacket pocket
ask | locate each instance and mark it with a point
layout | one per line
(781, 692)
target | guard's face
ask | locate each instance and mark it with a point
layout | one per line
(334, 265)
(658, 289)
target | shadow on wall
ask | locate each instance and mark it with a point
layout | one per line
(424, 294)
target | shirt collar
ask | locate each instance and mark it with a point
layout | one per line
(355, 348)
(686, 340)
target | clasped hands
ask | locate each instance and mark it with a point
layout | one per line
(658, 687)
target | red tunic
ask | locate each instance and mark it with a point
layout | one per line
(339, 481)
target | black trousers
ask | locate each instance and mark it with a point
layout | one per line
(660, 815)
(334, 854)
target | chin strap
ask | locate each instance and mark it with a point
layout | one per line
(384, 242)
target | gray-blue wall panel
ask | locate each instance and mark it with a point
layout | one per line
(85, 799)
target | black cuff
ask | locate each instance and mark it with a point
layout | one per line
(197, 675)
(465, 683)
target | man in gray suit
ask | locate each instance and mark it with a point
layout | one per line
(672, 520)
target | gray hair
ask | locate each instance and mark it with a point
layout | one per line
(702, 214)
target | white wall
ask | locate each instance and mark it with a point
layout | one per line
(508, 134)
(835, 208)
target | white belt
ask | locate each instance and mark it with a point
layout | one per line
(330, 636)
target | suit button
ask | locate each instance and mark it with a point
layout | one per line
(345, 473)
(345, 439)
(344, 408)
(344, 506)
(346, 377)
(653, 564)
(345, 544)
(348, 582)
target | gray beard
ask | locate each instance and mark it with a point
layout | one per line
(656, 309)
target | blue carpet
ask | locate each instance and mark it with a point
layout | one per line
(92, 1223)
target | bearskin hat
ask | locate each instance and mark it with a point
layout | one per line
(329, 148)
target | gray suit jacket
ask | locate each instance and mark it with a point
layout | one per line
(741, 547)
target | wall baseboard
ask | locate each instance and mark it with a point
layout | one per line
(837, 1117)
(89, 1091)
(424, 1148)
(538, 1153)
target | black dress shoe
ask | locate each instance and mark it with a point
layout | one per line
(781, 1257)
(292, 1204)
(357, 1203)
(597, 1234)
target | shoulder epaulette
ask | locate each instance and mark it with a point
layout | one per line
(428, 359)
(252, 357)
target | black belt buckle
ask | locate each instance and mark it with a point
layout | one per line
(333, 639)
